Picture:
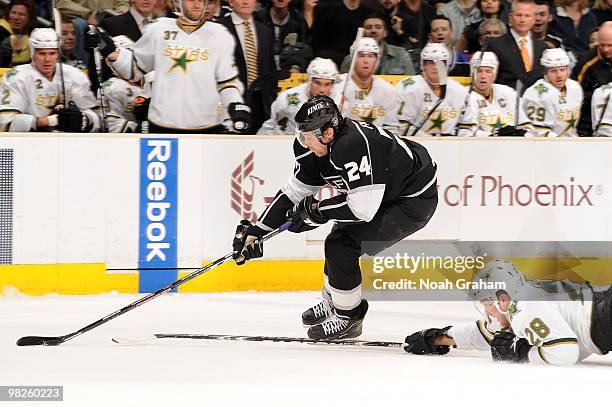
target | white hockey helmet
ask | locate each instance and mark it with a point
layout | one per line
(180, 11)
(488, 59)
(367, 44)
(434, 51)
(42, 38)
(122, 41)
(322, 68)
(500, 273)
(554, 58)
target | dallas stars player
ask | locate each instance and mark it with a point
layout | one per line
(495, 103)
(554, 322)
(418, 94)
(367, 98)
(31, 93)
(553, 103)
(387, 191)
(322, 74)
(195, 69)
(601, 106)
(120, 96)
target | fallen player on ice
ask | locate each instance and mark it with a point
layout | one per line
(567, 323)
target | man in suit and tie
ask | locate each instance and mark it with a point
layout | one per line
(132, 22)
(518, 51)
(254, 58)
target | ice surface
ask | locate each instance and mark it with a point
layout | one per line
(174, 372)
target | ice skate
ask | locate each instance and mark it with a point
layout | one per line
(320, 312)
(342, 325)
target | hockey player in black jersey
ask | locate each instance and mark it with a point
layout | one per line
(387, 191)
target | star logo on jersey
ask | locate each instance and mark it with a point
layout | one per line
(11, 73)
(180, 62)
(541, 89)
(498, 123)
(437, 123)
(370, 117)
(407, 82)
(571, 123)
(292, 99)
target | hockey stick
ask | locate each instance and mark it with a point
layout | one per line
(603, 113)
(469, 93)
(517, 102)
(57, 340)
(349, 75)
(442, 79)
(58, 31)
(97, 56)
(247, 338)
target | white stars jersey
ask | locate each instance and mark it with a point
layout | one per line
(600, 105)
(416, 98)
(26, 94)
(495, 111)
(119, 98)
(376, 104)
(195, 70)
(551, 112)
(558, 328)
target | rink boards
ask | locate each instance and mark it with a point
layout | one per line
(74, 206)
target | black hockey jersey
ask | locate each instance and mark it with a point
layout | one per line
(366, 164)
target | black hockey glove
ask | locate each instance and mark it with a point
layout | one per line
(305, 215)
(100, 39)
(246, 244)
(422, 343)
(240, 114)
(141, 108)
(70, 118)
(506, 347)
(510, 131)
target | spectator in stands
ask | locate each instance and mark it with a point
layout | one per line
(19, 21)
(400, 29)
(593, 70)
(132, 22)
(468, 42)
(296, 58)
(442, 32)
(254, 58)
(573, 22)
(593, 38)
(490, 28)
(334, 28)
(422, 12)
(68, 45)
(603, 11)
(392, 60)
(519, 53)
(165, 8)
(544, 16)
(285, 22)
(461, 13)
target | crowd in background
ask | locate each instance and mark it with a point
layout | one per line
(290, 33)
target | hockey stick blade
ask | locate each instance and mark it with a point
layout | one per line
(52, 341)
(40, 340)
(247, 338)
